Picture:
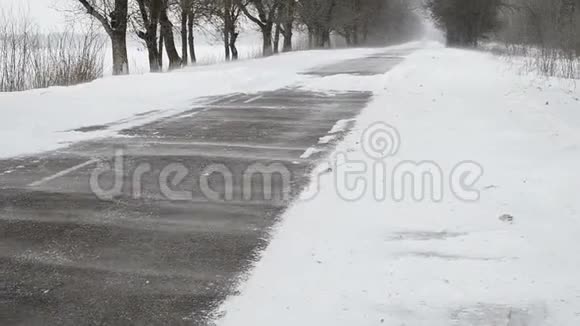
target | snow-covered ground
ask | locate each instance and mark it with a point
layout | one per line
(507, 257)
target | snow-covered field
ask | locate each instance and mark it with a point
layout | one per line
(207, 53)
(456, 262)
(208, 47)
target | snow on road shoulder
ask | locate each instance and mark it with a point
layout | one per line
(41, 120)
(453, 262)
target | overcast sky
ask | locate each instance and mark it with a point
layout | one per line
(43, 12)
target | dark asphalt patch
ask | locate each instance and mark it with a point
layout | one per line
(92, 128)
(361, 67)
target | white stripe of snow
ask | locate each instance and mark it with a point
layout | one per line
(63, 173)
(309, 152)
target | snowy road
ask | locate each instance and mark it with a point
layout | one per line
(157, 249)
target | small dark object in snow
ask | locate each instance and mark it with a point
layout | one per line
(547, 103)
(506, 218)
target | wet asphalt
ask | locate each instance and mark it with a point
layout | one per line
(154, 226)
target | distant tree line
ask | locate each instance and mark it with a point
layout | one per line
(545, 23)
(465, 22)
(545, 32)
(542, 23)
(358, 22)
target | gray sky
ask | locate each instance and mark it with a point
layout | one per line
(42, 12)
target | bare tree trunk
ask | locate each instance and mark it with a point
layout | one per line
(153, 58)
(116, 27)
(348, 37)
(227, 27)
(325, 39)
(120, 59)
(161, 43)
(167, 31)
(287, 46)
(267, 49)
(191, 38)
(357, 21)
(321, 37)
(325, 29)
(233, 48)
(227, 44)
(277, 38)
(150, 15)
(153, 55)
(184, 59)
(288, 25)
(317, 38)
(118, 36)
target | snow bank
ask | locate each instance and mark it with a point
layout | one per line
(455, 262)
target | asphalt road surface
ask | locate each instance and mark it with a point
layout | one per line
(154, 226)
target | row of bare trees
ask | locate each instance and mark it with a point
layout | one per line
(154, 22)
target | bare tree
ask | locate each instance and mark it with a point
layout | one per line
(288, 17)
(186, 6)
(285, 24)
(192, 12)
(114, 20)
(263, 14)
(148, 24)
(168, 38)
(317, 16)
(190, 37)
(232, 12)
(225, 17)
